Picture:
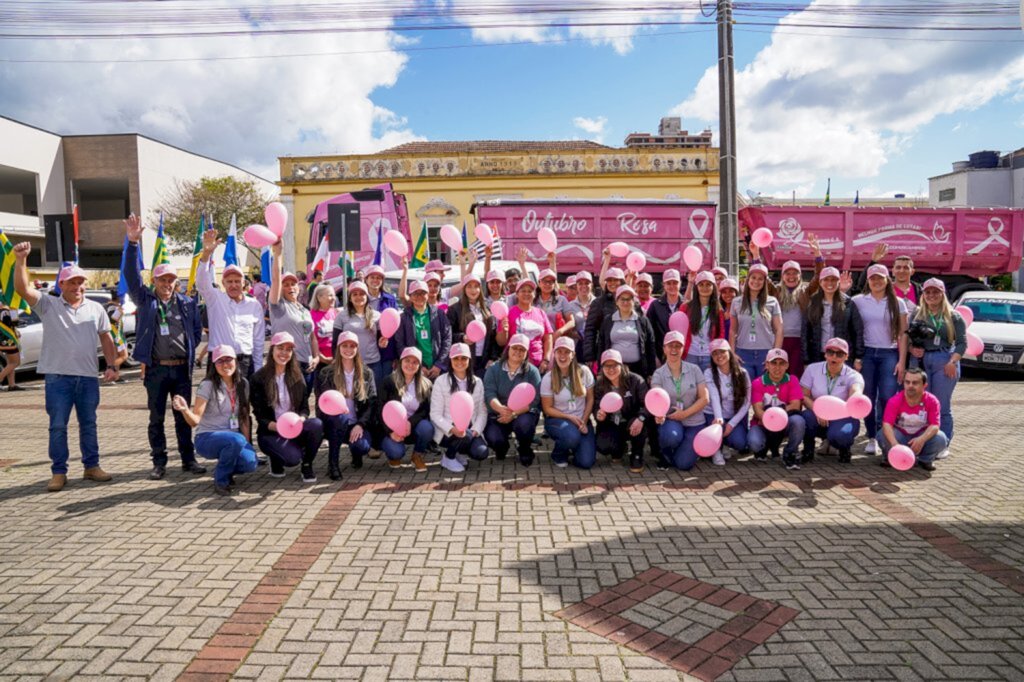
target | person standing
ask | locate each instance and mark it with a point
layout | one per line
(836, 378)
(323, 314)
(831, 314)
(425, 327)
(10, 346)
(603, 305)
(661, 309)
(71, 325)
(577, 309)
(459, 445)
(644, 285)
(629, 332)
(288, 315)
(526, 319)
(471, 307)
(756, 320)
(912, 418)
(167, 332)
(706, 321)
(360, 318)
(236, 320)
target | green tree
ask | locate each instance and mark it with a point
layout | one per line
(217, 197)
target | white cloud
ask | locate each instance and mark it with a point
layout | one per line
(820, 103)
(246, 111)
(594, 127)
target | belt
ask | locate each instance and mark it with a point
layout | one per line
(171, 363)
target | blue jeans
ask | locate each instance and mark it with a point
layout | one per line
(702, 361)
(932, 447)
(760, 438)
(64, 391)
(337, 429)
(879, 365)
(287, 452)
(380, 370)
(234, 454)
(568, 439)
(472, 444)
(420, 439)
(676, 443)
(840, 433)
(942, 387)
(737, 438)
(497, 435)
(753, 359)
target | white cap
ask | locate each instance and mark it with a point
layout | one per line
(163, 270)
(671, 275)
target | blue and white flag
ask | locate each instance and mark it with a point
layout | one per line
(231, 245)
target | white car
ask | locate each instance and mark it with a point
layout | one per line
(999, 322)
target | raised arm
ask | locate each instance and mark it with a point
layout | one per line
(275, 274)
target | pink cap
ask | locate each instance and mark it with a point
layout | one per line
(459, 350)
(614, 273)
(358, 286)
(829, 272)
(583, 274)
(671, 275)
(232, 269)
(644, 277)
(288, 276)
(432, 277)
(71, 272)
(720, 344)
(348, 337)
(705, 276)
(417, 288)
(570, 281)
(282, 338)
(776, 353)
(373, 270)
(674, 337)
(163, 270)
(546, 273)
(470, 278)
(411, 352)
(878, 269)
(565, 342)
(611, 355)
(838, 344)
(223, 351)
(435, 266)
(624, 289)
(525, 282)
(719, 270)
(791, 265)
(934, 283)
(758, 267)
(519, 340)
(728, 283)
(495, 275)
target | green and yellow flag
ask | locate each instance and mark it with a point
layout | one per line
(160, 248)
(7, 293)
(197, 251)
(346, 261)
(421, 254)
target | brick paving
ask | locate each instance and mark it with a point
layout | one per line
(741, 573)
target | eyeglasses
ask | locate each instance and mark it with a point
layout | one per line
(833, 351)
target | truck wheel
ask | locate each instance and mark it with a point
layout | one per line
(963, 288)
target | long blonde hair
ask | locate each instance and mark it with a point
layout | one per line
(360, 391)
(574, 376)
(946, 310)
(423, 384)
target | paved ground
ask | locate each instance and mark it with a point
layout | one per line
(741, 573)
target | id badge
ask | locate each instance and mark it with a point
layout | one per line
(679, 405)
(165, 329)
(233, 422)
(424, 335)
(937, 341)
(753, 335)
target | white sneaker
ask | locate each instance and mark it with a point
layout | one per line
(943, 455)
(452, 465)
(718, 458)
(872, 447)
(462, 459)
(561, 465)
(728, 452)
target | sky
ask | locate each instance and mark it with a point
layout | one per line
(876, 115)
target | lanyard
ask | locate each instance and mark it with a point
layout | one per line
(704, 312)
(162, 311)
(937, 322)
(232, 396)
(830, 381)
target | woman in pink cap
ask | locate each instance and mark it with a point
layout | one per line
(623, 432)
(684, 383)
(567, 399)
(707, 321)
(409, 386)
(279, 387)
(527, 319)
(360, 318)
(644, 285)
(577, 310)
(495, 288)
(348, 375)
(549, 300)
(601, 307)
(756, 320)
(628, 331)
(728, 398)
(460, 445)
(831, 313)
(728, 290)
(661, 309)
(471, 307)
(502, 421)
(288, 315)
(884, 318)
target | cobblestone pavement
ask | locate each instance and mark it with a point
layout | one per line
(739, 573)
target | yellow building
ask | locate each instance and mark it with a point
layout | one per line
(441, 180)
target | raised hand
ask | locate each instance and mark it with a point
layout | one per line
(22, 249)
(210, 241)
(845, 281)
(812, 241)
(133, 228)
(881, 248)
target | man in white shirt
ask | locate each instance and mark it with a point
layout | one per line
(235, 319)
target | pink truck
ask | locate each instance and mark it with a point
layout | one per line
(956, 244)
(660, 229)
(380, 209)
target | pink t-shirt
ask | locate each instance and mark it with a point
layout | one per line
(323, 327)
(644, 305)
(910, 294)
(774, 396)
(912, 421)
(534, 325)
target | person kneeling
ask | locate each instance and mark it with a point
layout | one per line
(776, 388)
(349, 376)
(912, 418)
(836, 378)
(280, 387)
(688, 393)
(502, 421)
(220, 417)
(627, 426)
(459, 445)
(567, 398)
(409, 386)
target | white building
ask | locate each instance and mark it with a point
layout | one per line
(43, 175)
(988, 179)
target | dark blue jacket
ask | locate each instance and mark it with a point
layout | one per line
(146, 321)
(440, 335)
(388, 353)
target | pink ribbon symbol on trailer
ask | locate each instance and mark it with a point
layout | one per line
(995, 229)
(699, 230)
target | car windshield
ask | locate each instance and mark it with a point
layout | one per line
(996, 310)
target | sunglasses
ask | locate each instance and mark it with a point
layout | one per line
(837, 353)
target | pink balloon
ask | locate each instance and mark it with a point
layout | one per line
(775, 419)
(859, 406)
(966, 313)
(451, 236)
(500, 310)
(975, 346)
(521, 397)
(396, 243)
(276, 216)
(475, 331)
(547, 238)
(693, 258)
(619, 249)
(289, 425)
(611, 402)
(636, 261)
(762, 237)
(258, 236)
(462, 410)
(901, 457)
(678, 321)
(484, 233)
(395, 417)
(332, 403)
(390, 320)
(708, 440)
(657, 402)
(829, 408)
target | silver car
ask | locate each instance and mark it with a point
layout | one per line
(999, 323)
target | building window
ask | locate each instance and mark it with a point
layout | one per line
(18, 191)
(947, 194)
(438, 249)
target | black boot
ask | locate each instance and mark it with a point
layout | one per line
(357, 461)
(333, 470)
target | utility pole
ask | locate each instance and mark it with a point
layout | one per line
(728, 229)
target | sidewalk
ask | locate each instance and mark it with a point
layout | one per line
(746, 572)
